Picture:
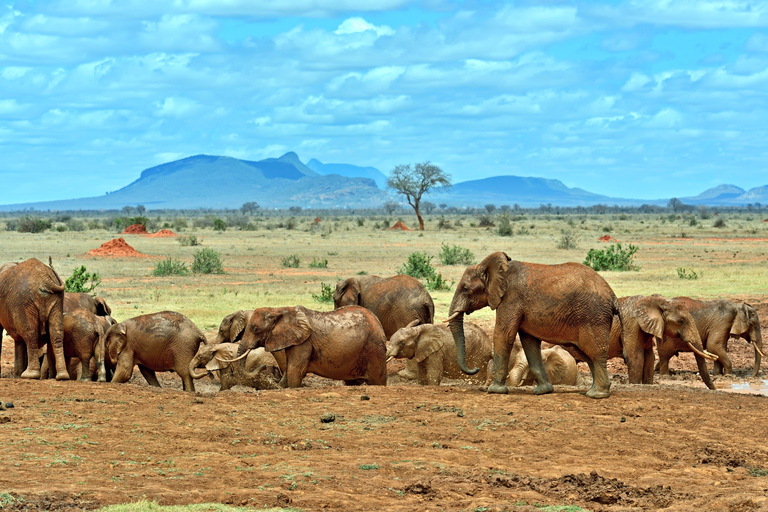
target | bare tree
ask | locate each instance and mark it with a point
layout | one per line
(140, 209)
(390, 206)
(675, 204)
(490, 208)
(428, 207)
(250, 207)
(414, 182)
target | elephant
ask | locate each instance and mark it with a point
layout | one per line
(564, 304)
(559, 364)
(232, 327)
(96, 305)
(261, 370)
(345, 344)
(642, 318)
(716, 322)
(32, 311)
(432, 347)
(84, 338)
(156, 342)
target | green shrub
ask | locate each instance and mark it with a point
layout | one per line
(325, 295)
(436, 282)
(318, 263)
(485, 221)
(290, 223)
(207, 261)
(689, 274)
(455, 255)
(76, 225)
(442, 223)
(170, 267)
(360, 221)
(568, 239)
(291, 261)
(191, 240)
(719, 223)
(417, 265)
(33, 225)
(219, 225)
(612, 258)
(505, 226)
(81, 281)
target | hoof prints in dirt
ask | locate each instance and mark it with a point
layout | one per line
(591, 488)
(59, 501)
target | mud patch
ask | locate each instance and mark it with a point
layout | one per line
(61, 501)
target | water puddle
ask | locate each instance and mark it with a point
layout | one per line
(755, 387)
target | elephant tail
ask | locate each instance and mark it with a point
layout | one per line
(57, 286)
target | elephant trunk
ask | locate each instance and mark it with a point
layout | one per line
(194, 372)
(701, 362)
(457, 330)
(264, 382)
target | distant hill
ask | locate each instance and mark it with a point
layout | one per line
(729, 195)
(350, 171)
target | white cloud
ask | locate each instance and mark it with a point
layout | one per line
(696, 13)
(357, 24)
(175, 107)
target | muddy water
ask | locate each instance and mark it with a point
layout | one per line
(754, 387)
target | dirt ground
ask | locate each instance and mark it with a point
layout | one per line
(671, 446)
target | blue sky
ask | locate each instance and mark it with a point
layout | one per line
(635, 99)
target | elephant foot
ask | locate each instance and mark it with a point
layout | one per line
(30, 374)
(62, 375)
(498, 388)
(598, 393)
(543, 389)
(406, 373)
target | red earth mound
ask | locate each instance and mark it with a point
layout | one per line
(116, 247)
(399, 225)
(135, 229)
(163, 233)
(607, 238)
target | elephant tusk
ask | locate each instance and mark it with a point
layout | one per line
(235, 359)
(389, 359)
(757, 349)
(708, 355)
(451, 317)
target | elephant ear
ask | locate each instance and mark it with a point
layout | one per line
(117, 339)
(291, 327)
(741, 322)
(496, 267)
(428, 342)
(237, 326)
(221, 351)
(650, 317)
(102, 309)
(349, 287)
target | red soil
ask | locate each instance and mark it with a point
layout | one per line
(135, 229)
(116, 247)
(607, 238)
(163, 233)
(399, 225)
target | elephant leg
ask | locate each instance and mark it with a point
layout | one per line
(723, 365)
(703, 371)
(501, 349)
(411, 370)
(665, 354)
(19, 357)
(297, 360)
(33, 361)
(150, 377)
(648, 363)
(532, 348)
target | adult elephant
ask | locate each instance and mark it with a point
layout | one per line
(716, 321)
(232, 327)
(560, 366)
(564, 304)
(32, 311)
(157, 342)
(432, 348)
(396, 301)
(345, 344)
(96, 305)
(260, 369)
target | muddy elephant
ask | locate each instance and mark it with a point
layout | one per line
(646, 316)
(84, 339)
(260, 369)
(32, 311)
(232, 327)
(564, 304)
(96, 305)
(157, 342)
(716, 322)
(560, 366)
(432, 348)
(345, 344)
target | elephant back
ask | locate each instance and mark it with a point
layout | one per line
(397, 301)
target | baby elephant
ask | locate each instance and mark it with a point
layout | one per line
(84, 339)
(157, 342)
(559, 364)
(260, 371)
(432, 347)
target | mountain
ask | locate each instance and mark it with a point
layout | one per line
(511, 190)
(350, 171)
(712, 195)
(205, 181)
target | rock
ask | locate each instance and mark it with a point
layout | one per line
(9, 405)
(2, 407)
(623, 419)
(365, 397)
(5, 419)
(328, 417)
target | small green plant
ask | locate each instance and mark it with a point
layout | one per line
(170, 267)
(369, 466)
(81, 281)
(689, 274)
(417, 265)
(325, 295)
(568, 239)
(612, 258)
(219, 225)
(505, 226)
(190, 241)
(455, 255)
(291, 261)
(758, 472)
(318, 263)
(436, 282)
(207, 261)
(692, 221)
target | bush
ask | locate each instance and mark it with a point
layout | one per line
(318, 263)
(456, 255)
(219, 225)
(486, 222)
(688, 274)
(360, 222)
(190, 241)
(568, 240)
(33, 225)
(719, 223)
(417, 265)
(505, 226)
(170, 267)
(612, 258)
(325, 295)
(290, 223)
(76, 225)
(436, 282)
(442, 223)
(81, 281)
(291, 261)
(207, 261)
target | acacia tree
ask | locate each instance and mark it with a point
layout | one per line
(414, 182)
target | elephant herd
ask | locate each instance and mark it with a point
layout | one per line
(568, 306)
